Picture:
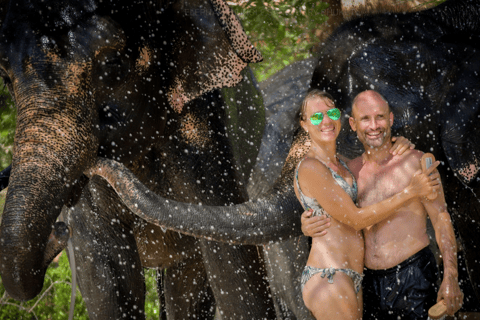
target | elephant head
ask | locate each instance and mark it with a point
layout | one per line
(102, 79)
(425, 63)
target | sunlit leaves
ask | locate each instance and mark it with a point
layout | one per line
(3, 193)
(283, 31)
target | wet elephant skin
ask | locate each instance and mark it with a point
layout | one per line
(164, 89)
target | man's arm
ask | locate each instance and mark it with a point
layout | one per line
(450, 290)
(314, 226)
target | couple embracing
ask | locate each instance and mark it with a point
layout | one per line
(382, 245)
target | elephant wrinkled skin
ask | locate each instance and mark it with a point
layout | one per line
(164, 89)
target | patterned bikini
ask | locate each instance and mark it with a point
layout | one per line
(311, 203)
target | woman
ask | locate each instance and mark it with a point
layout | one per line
(324, 183)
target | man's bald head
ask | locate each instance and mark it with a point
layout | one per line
(369, 97)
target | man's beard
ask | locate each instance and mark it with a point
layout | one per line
(378, 142)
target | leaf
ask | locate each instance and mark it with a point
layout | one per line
(281, 33)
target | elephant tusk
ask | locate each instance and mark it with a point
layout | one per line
(73, 269)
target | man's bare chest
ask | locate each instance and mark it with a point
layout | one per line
(377, 184)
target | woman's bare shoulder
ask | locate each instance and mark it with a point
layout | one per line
(311, 166)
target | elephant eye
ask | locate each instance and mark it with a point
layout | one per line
(112, 61)
(111, 67)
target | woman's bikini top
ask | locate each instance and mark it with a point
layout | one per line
(311, 203)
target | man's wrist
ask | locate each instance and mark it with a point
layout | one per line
(450, 273)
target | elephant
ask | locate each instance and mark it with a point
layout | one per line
(426, 65)
(162, 88)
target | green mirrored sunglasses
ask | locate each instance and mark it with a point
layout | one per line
(317, 118)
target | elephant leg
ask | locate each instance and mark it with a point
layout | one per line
(187, 292)
(284, 263)
(109, 271)
(161, 293)
(238, 279)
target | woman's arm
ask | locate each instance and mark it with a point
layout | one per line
(400, 145)
(317, 181)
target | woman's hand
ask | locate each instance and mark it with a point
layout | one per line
(401, 145)
(425, 183)
(314, 226)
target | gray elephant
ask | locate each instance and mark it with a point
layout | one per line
(426, 64)
(162, 88)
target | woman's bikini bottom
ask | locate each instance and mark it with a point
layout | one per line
(309, 272)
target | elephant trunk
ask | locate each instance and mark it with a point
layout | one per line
(50, 155)
(30, 238)
(273, 218)
(26, 226)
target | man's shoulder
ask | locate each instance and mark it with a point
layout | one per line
(410, 158)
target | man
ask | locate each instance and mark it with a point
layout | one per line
(400, 272)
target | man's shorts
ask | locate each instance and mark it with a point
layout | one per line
(405, 291)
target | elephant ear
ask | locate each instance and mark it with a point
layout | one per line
(235, 33)
(460, 121)
(463, 154)
(210, 48)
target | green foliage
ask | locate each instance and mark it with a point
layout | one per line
(7, 126)
(152, 302)
(3, 193)
(283, 31)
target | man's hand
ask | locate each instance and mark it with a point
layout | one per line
(401, 145)
(425, 183)
(314, 226)
(451, 294)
